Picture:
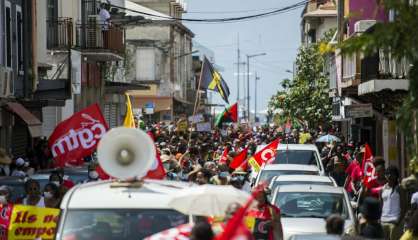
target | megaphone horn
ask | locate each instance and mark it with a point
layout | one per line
(126, 152)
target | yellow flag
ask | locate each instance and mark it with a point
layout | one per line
(129, 121)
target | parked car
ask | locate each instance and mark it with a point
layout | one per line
(301, 179)
(117, 210)
(75, 174)
(303, 154)
(268, 172)
(304, 208)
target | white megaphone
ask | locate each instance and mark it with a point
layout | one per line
(125, 153)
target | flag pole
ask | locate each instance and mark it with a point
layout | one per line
(197, 102)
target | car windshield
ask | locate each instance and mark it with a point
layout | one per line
(311, 204)
(267, 175)
(304, 157)
(112, 224)
(282, 183)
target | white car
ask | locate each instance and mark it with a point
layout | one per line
(119, 210)
(301, 179)
(305, 207)
(268, 172)
(304, 154)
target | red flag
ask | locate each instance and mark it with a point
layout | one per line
(233, 112)
(157, 170)
(369, 173)
(239, 159)
(264, 156)
(78, 136)
(224, 157)
(102, 174)
(5, 215)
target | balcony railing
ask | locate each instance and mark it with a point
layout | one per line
(95, 36)
(59, 34)
(383, 66)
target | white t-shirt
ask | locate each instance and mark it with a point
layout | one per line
(104, 18)
(414, 198)
(391, 209)
(41, 202)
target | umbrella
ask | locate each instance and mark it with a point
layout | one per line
(328, 138)
(181, 232)
(207, 200)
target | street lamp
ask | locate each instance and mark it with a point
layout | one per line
(248, 80)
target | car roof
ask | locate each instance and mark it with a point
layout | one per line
(311, 147)
(302, 178)
(291, 167)
(104, 195)
(310, 188)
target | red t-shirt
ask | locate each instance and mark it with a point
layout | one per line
(265, 212)
(354, 173)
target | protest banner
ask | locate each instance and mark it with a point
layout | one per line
(29, 222)
(5, 214)
(78, 136)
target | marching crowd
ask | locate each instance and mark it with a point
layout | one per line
(387, 206)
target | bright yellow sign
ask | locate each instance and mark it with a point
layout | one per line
(28, 222)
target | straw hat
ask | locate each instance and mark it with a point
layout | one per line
(4, 158)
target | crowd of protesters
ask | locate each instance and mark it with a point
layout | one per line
(386, 208)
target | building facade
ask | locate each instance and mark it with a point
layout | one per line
(367, 90)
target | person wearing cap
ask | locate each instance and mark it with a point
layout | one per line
(267, 213)
(20, 168)
(370, 213)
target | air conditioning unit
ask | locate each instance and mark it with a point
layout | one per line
(362, 25)
(6, 82)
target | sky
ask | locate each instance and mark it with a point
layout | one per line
(278, 36)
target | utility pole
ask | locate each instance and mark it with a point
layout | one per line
(248, 81)
(257, 78)
(238, 63)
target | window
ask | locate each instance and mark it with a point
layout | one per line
(8, 33)
(304, 157)
(115, 224)
(145, 64)
(311, 204)
(19, 36)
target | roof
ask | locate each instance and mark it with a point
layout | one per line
(101, 195)
(297, 147)
(321, 13)
(302, 178)
(291, 167)
(139, 8)
(310, 188)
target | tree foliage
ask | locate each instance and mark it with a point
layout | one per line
(305, 98)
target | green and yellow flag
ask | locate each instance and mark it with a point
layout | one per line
(212, 80)
(129, 120)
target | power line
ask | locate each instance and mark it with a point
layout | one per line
(222, 20)
(231, 12)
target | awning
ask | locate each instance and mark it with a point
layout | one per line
(34, 124)
(159, 103)
(374, 86)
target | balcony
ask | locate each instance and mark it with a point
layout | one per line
(383, 72)
(59, 34)
(100, 42)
